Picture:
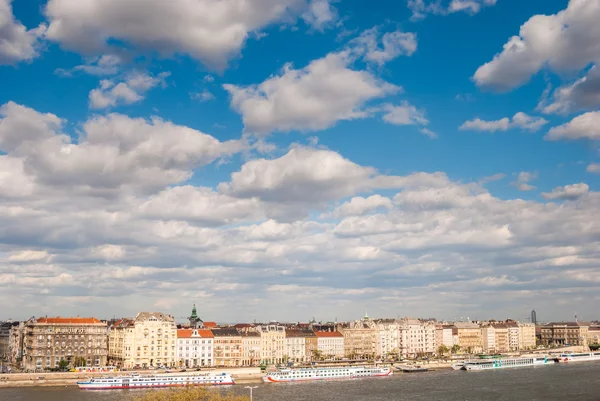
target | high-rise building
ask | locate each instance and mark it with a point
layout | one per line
(533, 317)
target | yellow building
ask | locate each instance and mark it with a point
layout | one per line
(360, 338)
(527, 336)
(469, 337)
(564, 333)
(272, 342)
(250, 348)
(148, 340)
(227, 347)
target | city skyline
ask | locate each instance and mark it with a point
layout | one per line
(284, 159)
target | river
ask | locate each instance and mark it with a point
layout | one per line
(571, 382)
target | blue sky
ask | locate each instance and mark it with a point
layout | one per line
(314, 148)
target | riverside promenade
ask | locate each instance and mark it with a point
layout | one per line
(65, 379)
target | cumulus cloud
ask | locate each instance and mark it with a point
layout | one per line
(107, 64)
(566, 41)
(309, 99)
(17, 43)
(393, 44)
(568, 192)
(358, 206)
(209, 31)
(406, 114)
(585, 126)
(583, 94)
(519, 120)
(131, 90)
(523, 179)
(203, 96)
(420, 8)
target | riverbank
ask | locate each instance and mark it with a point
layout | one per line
(67, 379)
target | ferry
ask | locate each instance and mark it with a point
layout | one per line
(506, 363)
(156, 381)
(334, 373)
(579, 357)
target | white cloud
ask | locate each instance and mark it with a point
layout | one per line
(29, 256)
(309, 99)
(203, 96)
(566, 41)
(405, 114)
(211, 31)
(585, 126)
(593, 168)
(519, 120)
(420, 8)
(568, 192)
(523, 179)
(583, 94)
(22, 127)
(320, 14)
(393, 44)
(131, 90)
(16, 42)
(358, 206)
(107, 64)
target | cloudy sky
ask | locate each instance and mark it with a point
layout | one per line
(284, 159)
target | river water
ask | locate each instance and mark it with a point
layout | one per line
(573, 382)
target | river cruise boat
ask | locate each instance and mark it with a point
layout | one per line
(156, 381)
(334, 373)
(579, 357)
(506, 363)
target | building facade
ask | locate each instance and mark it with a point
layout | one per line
(360, 338)
(469, 337)
(295, 345)
(564, 333)
(195, 348)
(272, 344)
(417, 337)
(527, 339)
(15, 343)
(330, 344)
(388, 338)
(250, 348)
(47, 341)
(227, 348)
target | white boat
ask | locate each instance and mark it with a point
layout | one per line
(505, 363)
(458, 366)
(336, 373)
(155, 381)
(579, 357)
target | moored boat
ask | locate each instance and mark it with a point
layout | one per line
(334, 373)
(156, 381)
(506, 363)
(571, 357)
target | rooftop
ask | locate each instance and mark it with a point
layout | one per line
(189, 333)
(68, 320)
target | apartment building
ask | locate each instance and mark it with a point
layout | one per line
(527, 336)
(330, 344)
(469, 337)
(272, 346)
(417, 338)
(564, 333)
(295, 345)
(388, 337)
(195, 348)
(47, 341)
(227, 348)
(250, 348)
(360, 338)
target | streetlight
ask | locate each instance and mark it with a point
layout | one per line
(251, 388)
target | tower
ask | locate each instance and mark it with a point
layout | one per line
(533, 317)
(195, 321)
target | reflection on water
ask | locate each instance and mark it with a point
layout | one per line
(577, 382)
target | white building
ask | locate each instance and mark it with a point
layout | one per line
(295, 345)
(417, 337)
(330, 344)
(388, 337)
(272, 342)
(195, 348)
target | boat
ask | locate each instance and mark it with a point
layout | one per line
(506, 363)
(458, 366)
(414, 369)
(333, 373)
(156, 381)
(571, 357)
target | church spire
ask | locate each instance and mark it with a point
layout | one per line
(195, 321)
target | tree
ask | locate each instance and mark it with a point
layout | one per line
(318, 354)
(442, 349)
(79, 361)
(190, 394)
(63, 365)
(455, 348)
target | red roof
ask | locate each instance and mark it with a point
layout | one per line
(210, 325)
(328, 334)
(187, 333)
(68, 320)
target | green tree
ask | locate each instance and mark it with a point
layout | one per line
(455, 348)
(63, 365)
(442, 349)
(190, 394)
(79, 361)
(318, 354)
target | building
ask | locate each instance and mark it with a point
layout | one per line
(227, 346)
(194, 320)
(469, 337)
(77, 340)
(514, 335)
(488, 338)
(5, 328)
(295, 345)
(533, 317)
(250, 348)
(15, 343)
(360, 338)
(330, 344)
(388, 338)
(272, 344)
(311, 345)
(417, 338)
(564, 333)
(593, 335)
(195, 348)
(443, 335)
(527, 338)
(148, 340)
(502, 340)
